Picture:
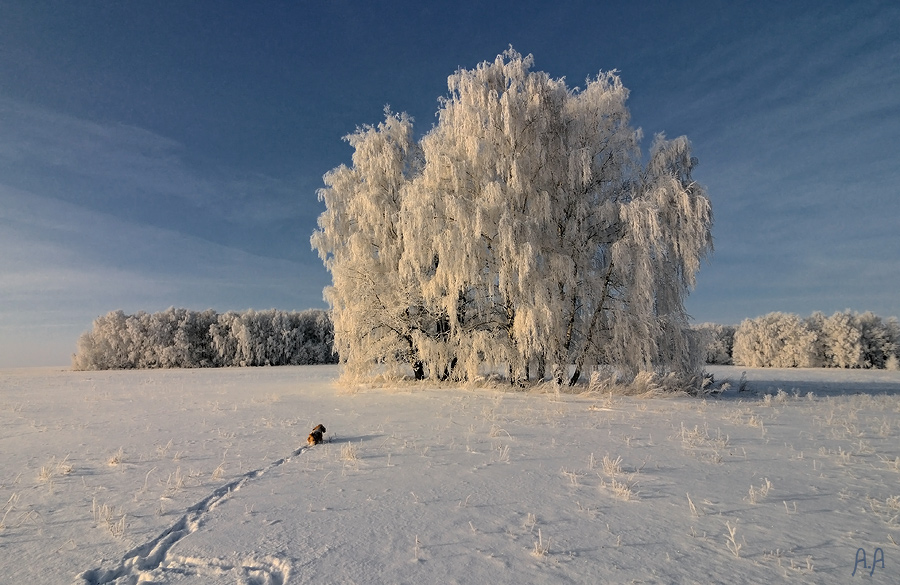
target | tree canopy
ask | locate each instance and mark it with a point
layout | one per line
(523, 232)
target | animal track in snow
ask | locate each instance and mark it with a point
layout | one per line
(152, 560)
(267, 570)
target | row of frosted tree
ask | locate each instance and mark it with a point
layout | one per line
(525, 233)
(181, 338)
(781, 340)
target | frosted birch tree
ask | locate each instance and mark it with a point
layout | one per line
(841, 338)
(775, 340)
(719, 341)
(377, 313)
(531, 235)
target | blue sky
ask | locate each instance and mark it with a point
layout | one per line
(157, 154)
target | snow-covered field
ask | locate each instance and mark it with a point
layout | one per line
(204, 476)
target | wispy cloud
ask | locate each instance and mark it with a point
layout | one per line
(796, 126)
(140, 176)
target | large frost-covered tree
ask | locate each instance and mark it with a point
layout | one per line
(522, 232)
(852, 340)
(376, 310)
(775, 340)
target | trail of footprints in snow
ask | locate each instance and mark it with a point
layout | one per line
(152, 560)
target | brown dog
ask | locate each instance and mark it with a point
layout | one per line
(315, 437)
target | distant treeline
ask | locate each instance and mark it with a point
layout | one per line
(780, 340)
(180, 338)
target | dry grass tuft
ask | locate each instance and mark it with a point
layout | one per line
(758, 493)
(349, 453)
(117, 458)
(541, 549)
(611, 466)
(731, 542)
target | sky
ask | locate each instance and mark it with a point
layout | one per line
(158, 154)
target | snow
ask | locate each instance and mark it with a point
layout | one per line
(198, 476)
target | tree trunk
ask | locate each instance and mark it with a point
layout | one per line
(575, 376)
(448, 370)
